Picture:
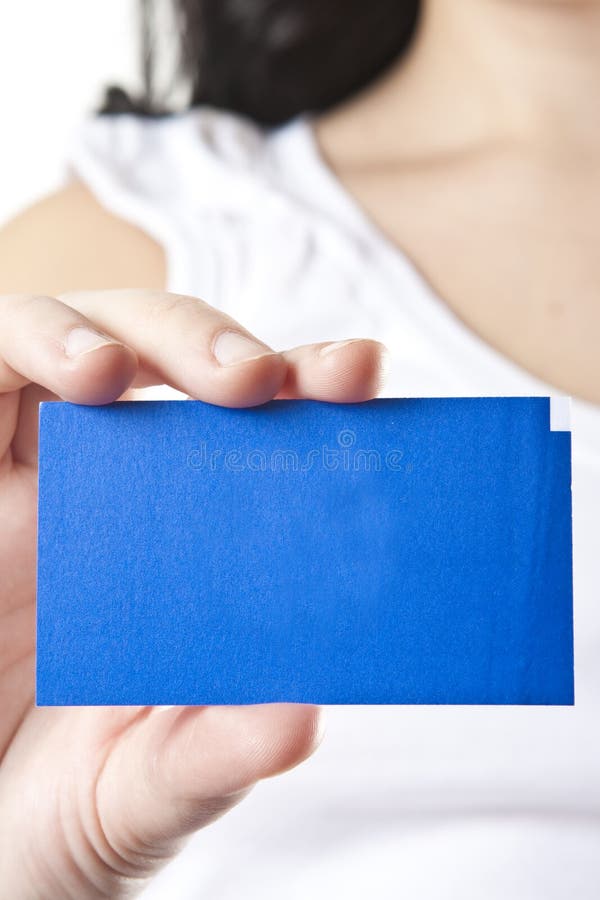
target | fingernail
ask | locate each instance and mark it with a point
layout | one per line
(231, 347)
(330, 348)
(81, 340)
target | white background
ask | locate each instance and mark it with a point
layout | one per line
(55, 58)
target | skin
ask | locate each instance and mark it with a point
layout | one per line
(98, 798)
(484, 167)
(479, 155)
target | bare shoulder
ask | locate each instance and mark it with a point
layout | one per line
(68, 241)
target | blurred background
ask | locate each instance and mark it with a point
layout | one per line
(55, 58)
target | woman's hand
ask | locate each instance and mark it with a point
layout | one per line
(94, 800)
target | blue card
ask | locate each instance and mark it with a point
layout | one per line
(396, 551)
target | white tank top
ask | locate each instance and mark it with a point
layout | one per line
(476, 803)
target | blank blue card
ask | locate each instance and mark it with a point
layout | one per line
(397, 551)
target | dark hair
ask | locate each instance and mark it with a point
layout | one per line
(271, 60)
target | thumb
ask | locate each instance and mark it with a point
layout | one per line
(183, 767)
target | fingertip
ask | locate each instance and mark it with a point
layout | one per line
(249, 382)
(354, 369)
(99, 375)
(261, 379)
(247, 743)
(343, 372)
(308, 735)
(276, 737)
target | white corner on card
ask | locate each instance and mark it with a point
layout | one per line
(560, 413)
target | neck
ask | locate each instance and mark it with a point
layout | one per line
(493, 70)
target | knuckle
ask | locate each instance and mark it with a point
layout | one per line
(183, 311)
(19, 302)
(163, 306)
(18, 309)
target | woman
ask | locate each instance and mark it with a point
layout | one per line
(434, 187)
